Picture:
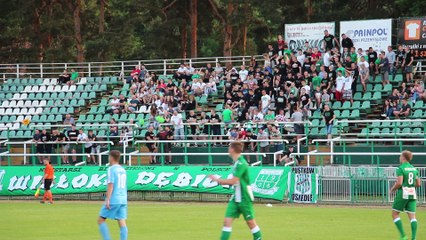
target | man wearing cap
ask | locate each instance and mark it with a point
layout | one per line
(287, 158)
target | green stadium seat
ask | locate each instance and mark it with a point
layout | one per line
(345, 114)
(417, 132)
(366, 96)
(337, 113)
(317, 114)
(386, 124)
(315, 123)
(418, 105)
(417, 114)
(366, 105)
(346, 105)
(378, 88)
(406, 131)
(375, 132)
(369, 87)
(103, 88)
(364, 132)
(51, 118)
(84, 95)
(377, 96)
(123, 117)
(337, 105)
(387, 88)
(356, 105)
(27, 134)
(81, 103)
(354, 114)
(92, 95)
(104, 102)
(314, 131)
(58, 118)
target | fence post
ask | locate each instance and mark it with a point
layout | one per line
(41, 70)
(122, 69)
(164, 67)
(17, 70)
(89, 69)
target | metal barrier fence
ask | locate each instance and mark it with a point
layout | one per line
(365, 184)
(122, 68)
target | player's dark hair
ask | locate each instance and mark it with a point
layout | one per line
(237, 147)
(115, 155)
(407, 155)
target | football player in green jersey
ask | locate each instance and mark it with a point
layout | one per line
(241, 201)
(405, 199)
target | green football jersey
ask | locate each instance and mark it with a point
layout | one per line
(410, 175)
(242, 190)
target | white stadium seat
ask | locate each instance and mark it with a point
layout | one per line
(27, 89)
(16, 96)
(35, 89)
(16, 126)
(35, 103)
(16, 111)
(53, 81)
(19, 118)
(12, 103)
(72, 88)
(8, 111)
(20, 103)
(82, 81)
(57, 89)
(5, 104)
(42, 89)
(2, 111)
(31, 111)
(24, 96)
(41, 104)
(28, 103)
(39, 110)
(24, 111)
(46, 81)
(65, 88)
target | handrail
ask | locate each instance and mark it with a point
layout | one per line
(355, 153)
(212, 141)
(240, 123)
(371, 121)
(370, 140)
(64, 142)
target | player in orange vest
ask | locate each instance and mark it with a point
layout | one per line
(48, 180)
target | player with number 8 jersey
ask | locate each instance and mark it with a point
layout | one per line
(405, 200)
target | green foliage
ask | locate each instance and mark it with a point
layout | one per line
(43, 30)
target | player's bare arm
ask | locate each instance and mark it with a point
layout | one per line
(398, 184)
(232, 181)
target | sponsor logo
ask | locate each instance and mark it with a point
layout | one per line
(412, 30)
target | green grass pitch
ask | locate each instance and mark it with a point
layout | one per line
(198, 221)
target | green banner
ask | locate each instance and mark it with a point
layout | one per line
(23, 181)
(303, 185)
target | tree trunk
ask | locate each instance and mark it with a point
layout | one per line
(227, 41)
(310, 10)
(245, 28)
(37, 30)
(184, 40)
(76, 10)
(194, 28)
(102, 16)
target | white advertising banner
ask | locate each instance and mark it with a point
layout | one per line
(297, 34)
(375, 33)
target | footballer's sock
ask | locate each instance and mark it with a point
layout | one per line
(123, 233)
(257, 235)
(398, 225)
(226, 233)
(414, 228)
(50, 197)
(103, 228)
(45, 196)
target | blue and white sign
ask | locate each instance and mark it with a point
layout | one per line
(375, 33)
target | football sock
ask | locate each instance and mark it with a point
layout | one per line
(123, 233)
(45, 196)
(50, 197)
(398, 225)
(413, 228)
(226, 233)
(257, 235)
(103, 228)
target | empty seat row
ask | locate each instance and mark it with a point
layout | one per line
(21, 103)
(50, 88)
(345, 114)
(16, 134)
(21, 111)
(14, 118)
(388, 132)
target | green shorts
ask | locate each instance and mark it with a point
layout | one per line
(404, 205)
(234, 210)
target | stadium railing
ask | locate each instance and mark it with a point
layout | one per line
(122, 68)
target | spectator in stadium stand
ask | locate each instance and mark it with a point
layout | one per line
(347, 87)
(82, 137)
(113, 128)
(329, 41)
(150, 136)
(74, 76)
(135, 74)
(267, 63)
(304, 101)
(287, 158)
(60, 137)
(182, 73)
(417, 92)
(328, 118)
(39, 145)
(408, 64)
(143, 72)
(265, 102)
(133, 105)
(400, 59)
(327, 58)
(68, 121)
(46, 139)
(387, 109)
(364, 75)
(204, 129)
(275, 134)
(64, 78)
(114, 104)
(297, 117)
(391, 56)
(384, 67)
(340, 84)
(166, 134)
(404, 111)
(263, 135)
(72, 137)
(325, 97)
(191, 118)
(122, 104)
(346, 42)
(95, 149)
(177, 121)
(243, 73)
(228, 116)
(372, 57)
(215, 126)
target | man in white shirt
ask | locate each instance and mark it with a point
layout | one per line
(114, 103)
(265, 101)
(300, 57)
(340, 84)
(347, 87)
(327, 57)
(362, 61)
(177, 121)
(182, 72)
(82, 137)
(243, 73)
(257, 116)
